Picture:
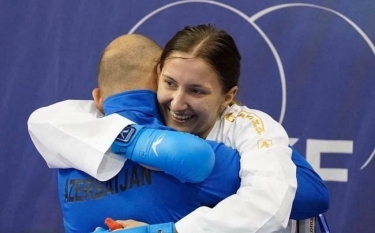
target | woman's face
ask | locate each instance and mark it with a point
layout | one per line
(190, 94)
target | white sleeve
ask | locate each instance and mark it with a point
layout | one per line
(73, 134)
(268, 178)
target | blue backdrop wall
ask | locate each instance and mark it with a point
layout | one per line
(309, 64)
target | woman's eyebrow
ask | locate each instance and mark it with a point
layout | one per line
(167, 76)
(200, 86)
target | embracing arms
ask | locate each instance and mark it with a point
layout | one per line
(73, 134)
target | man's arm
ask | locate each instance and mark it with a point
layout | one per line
(223, 181)
(161, 149)
(73, 134)
(312, 196)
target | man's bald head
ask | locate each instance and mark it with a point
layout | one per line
(128, 63)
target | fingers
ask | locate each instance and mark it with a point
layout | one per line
(130, 223)
(112, 224)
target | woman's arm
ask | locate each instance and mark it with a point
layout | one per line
(73, 134)
(268, 177)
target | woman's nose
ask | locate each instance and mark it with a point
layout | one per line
(178, 102)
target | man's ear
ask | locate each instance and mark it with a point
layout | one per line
(229, 96)
(98, 99)
(158, 72)
(158, 69)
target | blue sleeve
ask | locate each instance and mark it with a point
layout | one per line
(312, 195)
(224, 179)
(187, 157)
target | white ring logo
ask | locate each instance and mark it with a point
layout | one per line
(251, 20)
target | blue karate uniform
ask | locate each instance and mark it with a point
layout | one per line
(155, 197)
(139, 193)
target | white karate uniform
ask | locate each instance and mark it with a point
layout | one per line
(72, 134)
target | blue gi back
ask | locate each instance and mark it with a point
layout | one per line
(139, 193)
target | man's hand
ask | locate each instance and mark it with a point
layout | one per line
(182, 155)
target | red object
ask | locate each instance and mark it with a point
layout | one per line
(112, 224)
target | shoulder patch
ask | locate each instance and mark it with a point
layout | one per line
(264, 143)
(252, 117)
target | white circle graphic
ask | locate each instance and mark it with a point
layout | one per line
(244, 16)
(251, 20)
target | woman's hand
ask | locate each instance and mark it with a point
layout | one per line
(119, 225)
(126, 224)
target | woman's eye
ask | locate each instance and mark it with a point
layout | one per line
(169, 83)
(197, 91)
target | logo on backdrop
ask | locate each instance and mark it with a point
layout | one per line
(314, 148)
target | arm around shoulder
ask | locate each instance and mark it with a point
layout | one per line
(161, 149)
(268, 177)
(312, 196)
(72, 134)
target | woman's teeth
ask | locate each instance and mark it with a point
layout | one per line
(181, 117)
